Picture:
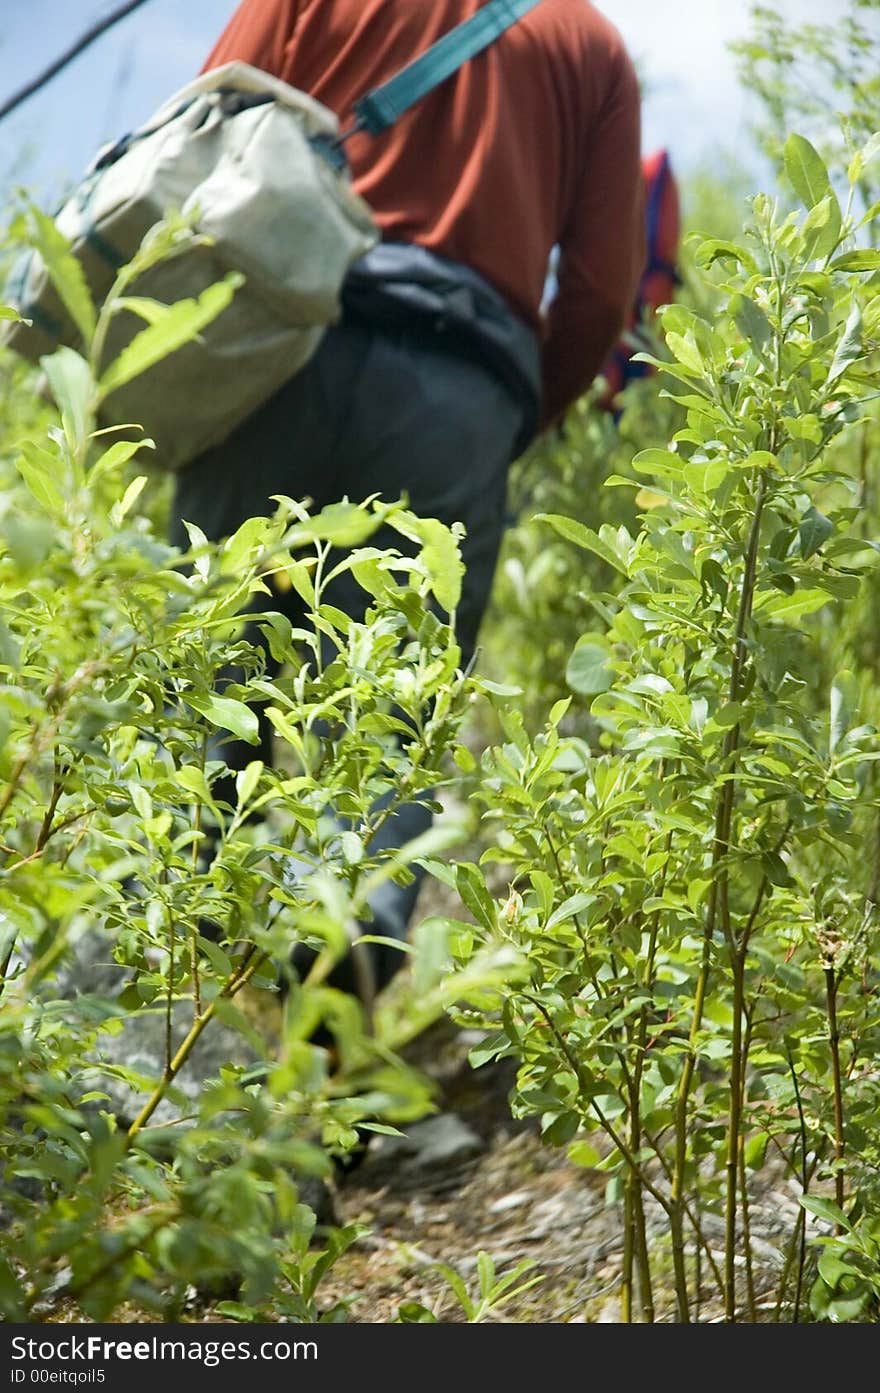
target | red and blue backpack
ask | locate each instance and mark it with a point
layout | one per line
(659, 278)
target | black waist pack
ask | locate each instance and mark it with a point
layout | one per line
(444, 305)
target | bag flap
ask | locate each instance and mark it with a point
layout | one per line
(242, 77)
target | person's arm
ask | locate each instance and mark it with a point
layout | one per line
(602, 251)
(257, 34)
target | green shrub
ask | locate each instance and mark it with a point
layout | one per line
(693, 888)
(122, 857)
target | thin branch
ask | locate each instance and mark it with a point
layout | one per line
(79, 45)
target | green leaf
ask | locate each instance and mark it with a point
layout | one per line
(571, 907)
(120, 510)
(751, 321)
(584, 537)
(10, 652)
(182, 322)
(464, 759)
(499, 689)
(440, 555)
(661, 464)
(832, 1268)
(790, 607)
(352, 848)
(862, 158)
(411, 1313)
(472, 889)
(864, 259)
(558, 711)
(756, 1150)
(486, 1273)
(343, 524)
(65, 271)
(807, 428)
(459, 1288)
(39, 470)
(714, 249)
(236, 1311)
(588, 671)
(118, 455)
(821, 229)
(221, 962)
(151, 311)
(583, 1153)
(142, 801)
(442, 560)
(192, 778)
(495, 1046)
(806, 171)
(544, 888)
(844, 701)
(824, 1209)
(241, 548)
(849, 349)
(685, 349)
(70, 379)
(228, 714)
(246, 781)
(558, 1129)
(813, 531)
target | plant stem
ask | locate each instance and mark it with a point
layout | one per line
(717, 908)
(747, 1233)
(15, 777)
(698, 1275)
(43, 837)
(734, 1139)
(799, 1237)
(86, 1282)
(626, 1288)
(635, 1088)
(801, 1240)
(690, 1214)
(593, 1106)
(831, 988)
(169, 996)
(194, 928)
(250, 963)
(646, 1288)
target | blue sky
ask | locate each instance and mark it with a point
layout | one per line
(693, 104)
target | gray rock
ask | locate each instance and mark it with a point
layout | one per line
(434, 1144)
(444, 1141)
(515, 1200)
(140, 1044)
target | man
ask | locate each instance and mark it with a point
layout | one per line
(442, 368)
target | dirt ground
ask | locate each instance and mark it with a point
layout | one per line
(480, 1181)
(499, 1191)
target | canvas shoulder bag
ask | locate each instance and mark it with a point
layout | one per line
(262, 167)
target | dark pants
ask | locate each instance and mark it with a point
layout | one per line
(374, 412)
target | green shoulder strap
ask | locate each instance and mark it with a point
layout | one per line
(380, 108)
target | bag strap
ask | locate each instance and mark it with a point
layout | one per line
(381, 107)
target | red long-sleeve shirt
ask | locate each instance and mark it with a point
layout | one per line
(533, 143)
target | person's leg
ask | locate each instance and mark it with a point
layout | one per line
(440, 430)
(372, 413)
(286, 447)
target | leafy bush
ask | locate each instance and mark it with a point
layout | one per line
(140, 898)
(694, 892)
(673, 928)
